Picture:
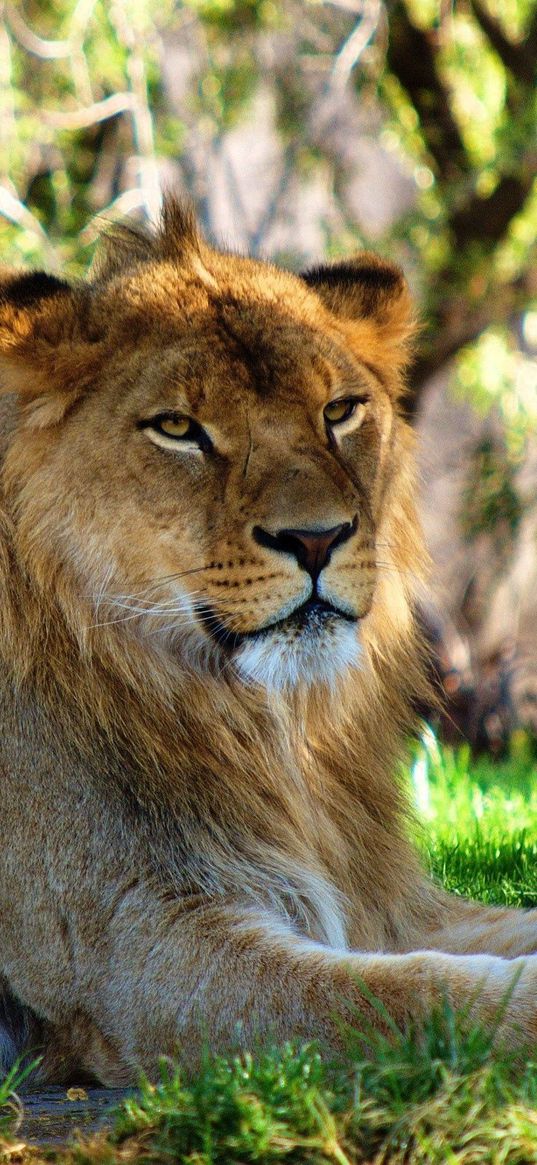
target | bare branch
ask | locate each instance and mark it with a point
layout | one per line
(351, 51)
(123, 205)
(272, 208)
(457, 323)
(81, 16)
(141, 113)
(79, 65)
(48, 50)
(7, 105)
(92, 114)
(15, 210)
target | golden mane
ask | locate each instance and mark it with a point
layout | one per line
(173, 735)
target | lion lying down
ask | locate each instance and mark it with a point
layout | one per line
(208, 558)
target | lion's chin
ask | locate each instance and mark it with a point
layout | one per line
(293, 657)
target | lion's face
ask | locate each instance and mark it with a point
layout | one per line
(247, 495)
(216, 482)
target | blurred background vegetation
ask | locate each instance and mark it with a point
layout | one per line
(310, 128)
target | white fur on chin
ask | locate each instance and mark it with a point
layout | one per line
(278, 660)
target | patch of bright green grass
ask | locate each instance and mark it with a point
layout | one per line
(418, 1100)
(415, 1098)
(480, 821)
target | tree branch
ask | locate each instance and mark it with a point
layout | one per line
(412, 57)
(456, 324)
(48, 50)
(519, 59)
(486, 219)
(351, 51)
(479, 219)
(99, 111)
(16, 212)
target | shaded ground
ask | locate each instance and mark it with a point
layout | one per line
(51, 1116)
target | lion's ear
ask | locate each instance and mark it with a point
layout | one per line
(46, 354)
(367, 287)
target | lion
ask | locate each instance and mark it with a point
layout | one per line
(210, 563)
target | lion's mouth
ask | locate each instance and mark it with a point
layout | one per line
(310, 616)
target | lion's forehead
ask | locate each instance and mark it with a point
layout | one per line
(246, 301)
(228, 351)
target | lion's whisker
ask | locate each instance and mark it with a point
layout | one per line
(189, 597)
(167, 604)
(154, 613)
(165, 578)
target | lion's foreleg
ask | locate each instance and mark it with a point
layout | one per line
(227, 979)
(464, 927)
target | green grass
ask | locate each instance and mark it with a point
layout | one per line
(418, 1098)
(407, 1104)
(10, 1104)
(480, 821)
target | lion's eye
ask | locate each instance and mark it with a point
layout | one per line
(177, 427)
(341, 410)
(167, 429)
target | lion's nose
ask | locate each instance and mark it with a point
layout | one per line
(311, 548)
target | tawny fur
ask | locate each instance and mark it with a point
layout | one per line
(191, 852)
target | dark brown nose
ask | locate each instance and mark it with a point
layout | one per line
(311, 548)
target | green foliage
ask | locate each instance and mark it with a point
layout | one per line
(490, 500)
(497, 375)
(53, 134)
(236, 16)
